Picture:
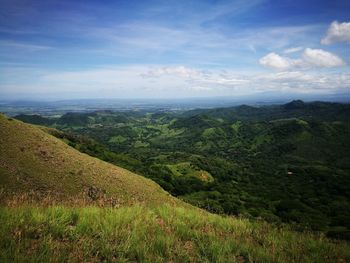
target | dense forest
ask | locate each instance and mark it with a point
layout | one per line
(282, 163)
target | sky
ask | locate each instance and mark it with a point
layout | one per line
(63, 49)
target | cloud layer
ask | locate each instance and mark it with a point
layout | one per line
(171, 81)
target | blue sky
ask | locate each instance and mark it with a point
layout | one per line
(166, 49)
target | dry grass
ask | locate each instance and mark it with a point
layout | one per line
(36, 162)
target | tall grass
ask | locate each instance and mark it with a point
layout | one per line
(159, 234)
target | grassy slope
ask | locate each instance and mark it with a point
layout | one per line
(158, 234)
(31, 159)
(187, 169)
(145, 232)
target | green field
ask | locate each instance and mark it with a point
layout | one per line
(187, 169)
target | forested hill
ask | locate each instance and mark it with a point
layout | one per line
(296, 108)
(283, 163)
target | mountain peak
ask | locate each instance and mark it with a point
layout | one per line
(294, 104)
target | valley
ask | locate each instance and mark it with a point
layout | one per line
(285, 164)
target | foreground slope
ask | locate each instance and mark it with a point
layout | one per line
(159, 234)
(37, 169)
(36, 165)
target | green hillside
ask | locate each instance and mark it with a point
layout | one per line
(35, 165)
(59, 205)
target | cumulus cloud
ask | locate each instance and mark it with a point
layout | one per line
(337, 32)
(310, 58)
(321, 58)
(275, 61)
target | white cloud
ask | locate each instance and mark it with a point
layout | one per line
(289, 76)
(189, 43)
(303, 82)
(201, 88)
(337, 32)
(179, 71)
(198, 79)
(275, 61)
(310, 58)
(18, 46)
(292, 50)
(321, 58)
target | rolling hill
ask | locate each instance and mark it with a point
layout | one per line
(60, 205)
(38, 165)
